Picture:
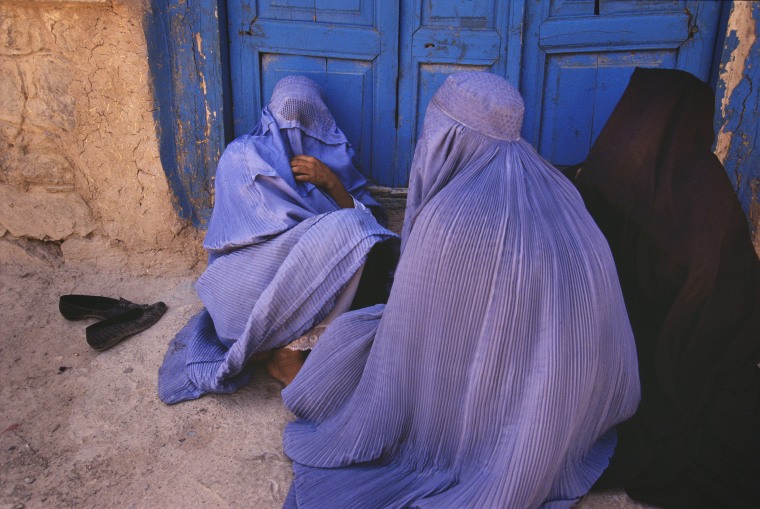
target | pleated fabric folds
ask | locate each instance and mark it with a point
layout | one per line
(503, 359)
(280, 252)
(256, 195)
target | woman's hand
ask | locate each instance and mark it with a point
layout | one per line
(310, 169)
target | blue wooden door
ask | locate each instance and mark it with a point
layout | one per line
(380, 61)
(579, 55)
(349, 47)
(443, 37)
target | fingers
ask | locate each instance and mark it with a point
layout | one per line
(301, 169)
(303, 164)
(305, 176)
(304, 172)
(309, 162)
(304, 159)
(310, 169)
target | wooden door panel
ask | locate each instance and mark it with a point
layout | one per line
(438, 39)
(347, 83)
(349, 47)
(355, 12)
(604, 7)
(381, 61)
(580, 92)
(474, 14)
(579, 55)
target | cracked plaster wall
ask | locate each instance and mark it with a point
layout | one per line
(81, 181)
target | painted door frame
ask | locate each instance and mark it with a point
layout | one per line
(188, 63)
(497, 48)
(598, 52)
(350, 51)
(189, 66)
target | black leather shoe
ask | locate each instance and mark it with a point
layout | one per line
(105, 334)
(77, 307)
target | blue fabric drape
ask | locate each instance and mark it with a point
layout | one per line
(255, 194)
(280, 252)
(496, 372)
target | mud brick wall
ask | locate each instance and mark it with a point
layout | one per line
(80, 177)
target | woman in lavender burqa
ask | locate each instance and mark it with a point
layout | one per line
(293, 241)
(498, 369)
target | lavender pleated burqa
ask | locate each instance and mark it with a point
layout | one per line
(496, 372)
(280, 251)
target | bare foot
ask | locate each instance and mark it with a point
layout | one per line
(285, 364)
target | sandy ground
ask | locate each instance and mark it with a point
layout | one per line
(86, 429)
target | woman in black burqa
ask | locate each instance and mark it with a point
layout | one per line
(691, 281)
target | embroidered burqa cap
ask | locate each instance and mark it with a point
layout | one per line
(496, 372)
(500, 112)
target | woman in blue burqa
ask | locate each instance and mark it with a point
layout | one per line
(290, 234)
(496, 373)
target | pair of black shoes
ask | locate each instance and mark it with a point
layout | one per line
(120, 318)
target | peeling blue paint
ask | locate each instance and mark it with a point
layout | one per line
(187, 70)
(742, 118)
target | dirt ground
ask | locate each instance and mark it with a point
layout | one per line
(84, 429)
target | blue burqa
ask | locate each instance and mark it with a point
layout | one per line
(280, 251)
(497, 371)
